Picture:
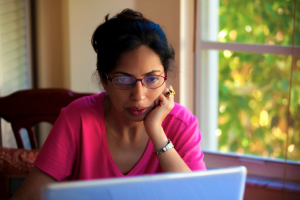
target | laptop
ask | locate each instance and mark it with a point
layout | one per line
(225, 183)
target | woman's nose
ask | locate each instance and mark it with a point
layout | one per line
(138, 91)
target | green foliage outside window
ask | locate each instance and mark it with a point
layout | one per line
(254, 88)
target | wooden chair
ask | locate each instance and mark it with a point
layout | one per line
(26, 108)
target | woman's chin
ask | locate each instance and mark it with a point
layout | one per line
(136, 118)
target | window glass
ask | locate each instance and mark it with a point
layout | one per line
(261, 22)
(253, 104)
(294, 129)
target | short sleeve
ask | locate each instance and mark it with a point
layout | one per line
(188, 145)
(181, 126)
(57, 156)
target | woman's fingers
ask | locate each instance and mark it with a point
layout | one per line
(163, 106)
(169, 93)
(172, 92)
(165, 97)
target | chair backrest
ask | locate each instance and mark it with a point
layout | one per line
(26, 108)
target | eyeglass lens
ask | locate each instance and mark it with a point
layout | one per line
(126, 82)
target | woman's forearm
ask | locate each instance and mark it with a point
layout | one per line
(170, 161)
(30, 188)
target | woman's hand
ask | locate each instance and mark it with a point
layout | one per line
(170, 161)
(163, 106)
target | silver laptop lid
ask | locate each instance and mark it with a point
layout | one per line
(227, 183)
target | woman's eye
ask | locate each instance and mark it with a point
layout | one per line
(151, 79)
(124, 80)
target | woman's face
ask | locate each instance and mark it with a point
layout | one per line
(136, 102)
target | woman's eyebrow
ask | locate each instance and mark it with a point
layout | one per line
(151, 72)
(124, 73)
(127, 74)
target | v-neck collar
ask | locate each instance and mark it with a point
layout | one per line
(133, 171)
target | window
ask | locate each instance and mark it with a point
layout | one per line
(247, 84)
(15, 66)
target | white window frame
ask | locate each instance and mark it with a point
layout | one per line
(206, 96)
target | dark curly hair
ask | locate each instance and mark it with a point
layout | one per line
(127, 31)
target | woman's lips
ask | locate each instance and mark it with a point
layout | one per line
(137, 111)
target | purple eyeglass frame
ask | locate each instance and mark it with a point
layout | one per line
(136, 80)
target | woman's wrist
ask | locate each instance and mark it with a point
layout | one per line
(159, 144)
(157, 136)
(152, 126)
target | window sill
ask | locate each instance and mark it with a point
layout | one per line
(272, 184)
(256, 166)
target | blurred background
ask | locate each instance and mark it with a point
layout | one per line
(259, 94)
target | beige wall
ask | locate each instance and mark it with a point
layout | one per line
(84, 17)
(49, 43)
(64, 28)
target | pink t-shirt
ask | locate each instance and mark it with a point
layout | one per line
(76, 148)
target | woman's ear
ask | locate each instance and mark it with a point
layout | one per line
(103, 82)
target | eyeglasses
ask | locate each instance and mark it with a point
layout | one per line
(126, 82)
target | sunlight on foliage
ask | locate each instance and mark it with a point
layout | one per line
(254, 88)
(248, 28)
(221, 36)
(218, 132)
(227, 54)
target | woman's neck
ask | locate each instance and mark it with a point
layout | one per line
(118, 126)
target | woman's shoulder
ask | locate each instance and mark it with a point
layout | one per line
(180, 123)
(182, 114)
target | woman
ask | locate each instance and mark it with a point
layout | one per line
(130, 128)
